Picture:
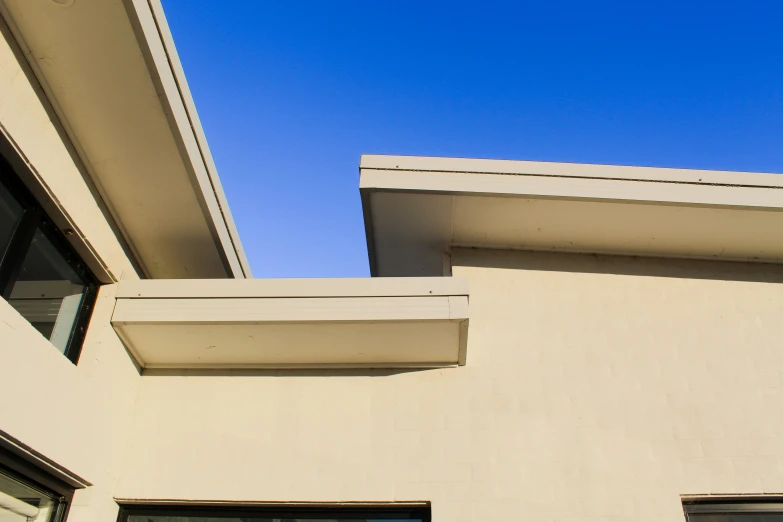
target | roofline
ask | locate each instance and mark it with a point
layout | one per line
(640, 185)
(283, 288)
(571, 170)
(529, 180)
(154, 36)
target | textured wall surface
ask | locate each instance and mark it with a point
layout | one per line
(78, 416)
(596, 388)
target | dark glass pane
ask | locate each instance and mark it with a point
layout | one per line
(48, 291)
(10, 214)
(296, 518)
(22, 503)
(735, 517)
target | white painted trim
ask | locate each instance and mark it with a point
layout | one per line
(288, 310)
(573, 188)
(579, 170)
(282, 288)
(156, 37)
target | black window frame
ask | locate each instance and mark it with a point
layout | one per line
(732, 506)
(391, 511)
(37, 479)
(35, 218)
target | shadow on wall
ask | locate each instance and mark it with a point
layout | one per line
(619, 265)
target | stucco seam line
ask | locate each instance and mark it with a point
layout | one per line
(565, 176)
(195, 137)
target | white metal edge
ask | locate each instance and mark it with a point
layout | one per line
(280, 310)
(190, 106)
(273, 288)
(173, 97)
(572, 188)
(541, 168)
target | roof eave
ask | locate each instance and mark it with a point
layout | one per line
(575, 208)
(115, 83)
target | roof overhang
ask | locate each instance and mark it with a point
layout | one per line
(294, 323)
(111, 73)
(416, 209)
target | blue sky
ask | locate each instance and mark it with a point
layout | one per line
(290, 93)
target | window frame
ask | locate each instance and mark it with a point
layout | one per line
(392, 511)
(732, 506)
(37, 479)
(33, 218)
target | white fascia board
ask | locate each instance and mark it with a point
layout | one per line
(249, 310)
(282, 288)
(598, 189)
(344, 323)
(575, 170)
(153, 31)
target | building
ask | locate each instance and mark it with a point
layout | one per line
(542, 342)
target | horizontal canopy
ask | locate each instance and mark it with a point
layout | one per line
(300, 323)
(417, 209)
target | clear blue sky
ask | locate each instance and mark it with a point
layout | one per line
(290, 93)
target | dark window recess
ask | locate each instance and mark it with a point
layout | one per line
(315, 513)
(40, 274)
(22, 500)
(735, 510)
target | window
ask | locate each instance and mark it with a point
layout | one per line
(24, 501)
(40, 274)
(419, 512)
(739, 510)
(32, 487)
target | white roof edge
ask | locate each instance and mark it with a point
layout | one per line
(416, 209)
(245, 310)
(575, 170)
(343, 323)
(155, 34)
(626, 190)
(284, 288)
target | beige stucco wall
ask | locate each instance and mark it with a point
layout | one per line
(596, 388)
(78, 416)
